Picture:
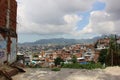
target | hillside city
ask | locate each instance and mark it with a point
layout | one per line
(45, 55)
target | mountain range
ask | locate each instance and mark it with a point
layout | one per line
(61, 41)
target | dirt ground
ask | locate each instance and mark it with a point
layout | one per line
(110, 73)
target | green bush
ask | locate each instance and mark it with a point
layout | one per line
(83, 66)
(102, 56)
(58, 60)
(74, 59)
(55, 69)
(62, 64)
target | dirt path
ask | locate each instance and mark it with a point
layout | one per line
(111, 73)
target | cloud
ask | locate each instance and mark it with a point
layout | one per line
(112, 7)
(99, 23)
(106, 21)
(60, 17)
(71, 19)
(50, 16)
(46, 29)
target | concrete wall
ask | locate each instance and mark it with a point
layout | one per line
(3, 54)
(13, 50)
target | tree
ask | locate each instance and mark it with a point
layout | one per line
(96, 43)
(74, 59)
(111, 50)
(113, 57)
(102, 56)
(58, 60)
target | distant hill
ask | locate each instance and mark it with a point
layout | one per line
(55, 41)
(61, 41)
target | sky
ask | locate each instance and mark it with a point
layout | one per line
(74, 19)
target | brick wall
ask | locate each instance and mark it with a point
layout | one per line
(3, 13)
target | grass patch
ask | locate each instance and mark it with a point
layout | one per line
(83, 66)
(55, 69)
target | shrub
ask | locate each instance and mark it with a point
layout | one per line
(74, 59)
(83, 66)
(55, 69)
(103, 55)
(58, 60)
(62, 64)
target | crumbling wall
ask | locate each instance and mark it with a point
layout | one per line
(3, 54)
(8, 35)
(13, 50)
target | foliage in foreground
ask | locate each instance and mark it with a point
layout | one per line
(113, 57)
(83, 66)
(103, 55)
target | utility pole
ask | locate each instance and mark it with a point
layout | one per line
(112, 58)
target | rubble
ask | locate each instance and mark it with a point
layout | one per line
(7, 71)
